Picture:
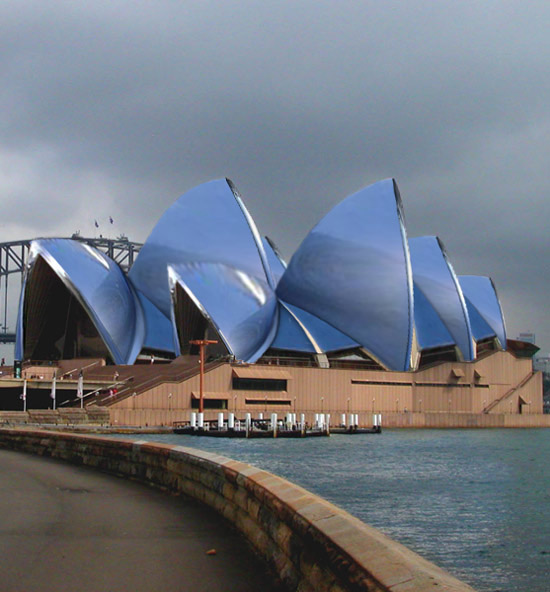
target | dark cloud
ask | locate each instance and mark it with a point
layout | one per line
(117, 108)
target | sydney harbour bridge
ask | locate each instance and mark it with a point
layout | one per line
(13, 259)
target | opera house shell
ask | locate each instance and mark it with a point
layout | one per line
(357, 288)
(362, 319)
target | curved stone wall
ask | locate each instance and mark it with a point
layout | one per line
(312, 544)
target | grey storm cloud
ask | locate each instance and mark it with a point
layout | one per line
(117, 108)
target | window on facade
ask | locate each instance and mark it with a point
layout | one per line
(259, 384)
(267, 402)
(210, 403)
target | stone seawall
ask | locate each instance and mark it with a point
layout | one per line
(311, 544)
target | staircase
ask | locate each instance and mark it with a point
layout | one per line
(137, 379)
(509, 393)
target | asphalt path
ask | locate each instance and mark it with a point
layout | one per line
(67, 528)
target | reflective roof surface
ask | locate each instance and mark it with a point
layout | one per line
(101, 288)
(353, 271)
(435, 277)
(208, 224)
(481, 293)
(242, 308)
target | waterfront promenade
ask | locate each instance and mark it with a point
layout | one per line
(72, 528)
(312, 545)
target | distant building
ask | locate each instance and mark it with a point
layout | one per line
(527, 337)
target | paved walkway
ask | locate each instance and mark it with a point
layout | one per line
(67, 528)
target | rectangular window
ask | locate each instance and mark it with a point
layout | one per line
(259, 384)
(267, 402)
(210, 403)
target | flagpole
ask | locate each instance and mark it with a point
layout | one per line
(52, 394)
(80, 389)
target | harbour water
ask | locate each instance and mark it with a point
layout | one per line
(476, 502)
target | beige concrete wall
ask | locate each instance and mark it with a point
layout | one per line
(464, 420)
(337, 391)
(312, 544)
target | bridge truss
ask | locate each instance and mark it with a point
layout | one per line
(14, 255)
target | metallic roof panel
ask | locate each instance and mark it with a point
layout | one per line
(481, 292)
(274, 259)
(242, 308)
(324, 336)
(208, 224)
(434, 275)
(430, 330)
(290, 335)
(353, 271)
(480, 327)
(159, 331)
(101, 287)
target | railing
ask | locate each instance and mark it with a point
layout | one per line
(509, 393)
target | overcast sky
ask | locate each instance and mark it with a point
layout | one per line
(117, 108)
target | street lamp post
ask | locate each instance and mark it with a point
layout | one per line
(202, 343)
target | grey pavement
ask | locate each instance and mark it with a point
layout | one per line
(64, 527)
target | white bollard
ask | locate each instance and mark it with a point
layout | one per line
(327, 420)
(343, 420)
(274, 423)
(379, 419)
(350, 420)
(248, 419)
(260, 415)
(231, 421)
(302, 420)
(289, 421)
(316, 420)
(321, 420)
(356, 420)
(374, 420)
(220, 421)
(200, 420)
(193, 419)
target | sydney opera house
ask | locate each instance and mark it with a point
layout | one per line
(362, 319)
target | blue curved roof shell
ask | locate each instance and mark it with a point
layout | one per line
(299, 330)
(353, 272)
(207, 224)
(435, 277)
(209, 239)
(274, 260)
(291, 335)
(482, 295)
(430, 329)
(240, 307)
(101, 288)
(159, 333)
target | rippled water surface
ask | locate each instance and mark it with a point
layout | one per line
(476, 502)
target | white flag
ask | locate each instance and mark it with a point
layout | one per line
(52, 394)
(80, 386)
